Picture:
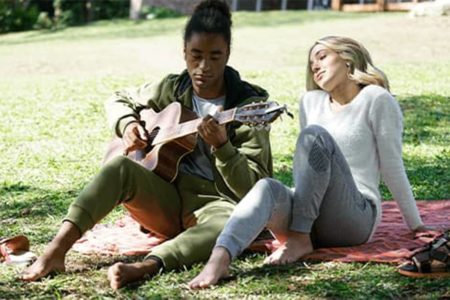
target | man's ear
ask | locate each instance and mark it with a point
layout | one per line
(184, 51)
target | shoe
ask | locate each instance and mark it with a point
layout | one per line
(15, 251)
(432, 262)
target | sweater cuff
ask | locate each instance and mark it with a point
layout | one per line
(225, 152)
(122, 124)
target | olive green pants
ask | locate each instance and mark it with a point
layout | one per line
(189, 212)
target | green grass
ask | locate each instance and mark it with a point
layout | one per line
(53, 132)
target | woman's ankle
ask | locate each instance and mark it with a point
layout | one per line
(220, 255)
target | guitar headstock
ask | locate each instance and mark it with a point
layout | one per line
(260, 114)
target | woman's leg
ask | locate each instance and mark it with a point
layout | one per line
(267, 203)
(327, 205)
(327, 194)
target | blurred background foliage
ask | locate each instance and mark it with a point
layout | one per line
(21, 15)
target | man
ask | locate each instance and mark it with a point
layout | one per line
(227, 161)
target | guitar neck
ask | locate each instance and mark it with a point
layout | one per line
(168, 134)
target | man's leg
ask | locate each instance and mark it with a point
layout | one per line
(148, 197)
(204, 212)
(195, 243)
(54, 254)
(189, 247)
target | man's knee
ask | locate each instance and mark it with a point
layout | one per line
(215, 215)
(119, 165)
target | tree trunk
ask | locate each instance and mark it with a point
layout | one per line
(135, 9)
(258, 5)
(234, 5)
(88, 11)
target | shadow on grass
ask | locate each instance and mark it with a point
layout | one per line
(426, 119)
(429, 177)
(335, 280)
(283, 169)
(19, 200)
(79, 263)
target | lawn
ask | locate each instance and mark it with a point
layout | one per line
(53, 135)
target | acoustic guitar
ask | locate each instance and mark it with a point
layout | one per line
(172, 133)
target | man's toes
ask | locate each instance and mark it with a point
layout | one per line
(196, 283)
(28, 276)
(114, 285)
(33, 274)
(115, 282)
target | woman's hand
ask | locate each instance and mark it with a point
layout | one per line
(134, 137)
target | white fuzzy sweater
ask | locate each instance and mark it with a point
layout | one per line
(368, 131)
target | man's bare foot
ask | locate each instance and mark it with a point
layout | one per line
(54, 254)
(120, 274)
(295, 246)
(51, 261)
(214, 270)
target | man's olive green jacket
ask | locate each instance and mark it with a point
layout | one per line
(238, 164)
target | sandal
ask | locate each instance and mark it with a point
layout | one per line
(15, 250)
(432, 262)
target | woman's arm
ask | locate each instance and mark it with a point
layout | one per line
(387, 124)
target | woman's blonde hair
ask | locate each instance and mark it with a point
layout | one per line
(356, 56)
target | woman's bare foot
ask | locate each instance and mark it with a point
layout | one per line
(214, 270)
(120, 274)
(295, 246)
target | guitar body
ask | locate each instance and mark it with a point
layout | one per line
(164, 158)
(172, 133)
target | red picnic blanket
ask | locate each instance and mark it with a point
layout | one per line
(392, 241)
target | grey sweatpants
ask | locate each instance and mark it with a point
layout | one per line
(325, 202)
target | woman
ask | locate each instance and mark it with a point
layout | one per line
(351, 131)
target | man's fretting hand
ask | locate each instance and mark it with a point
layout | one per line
(212, 132)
